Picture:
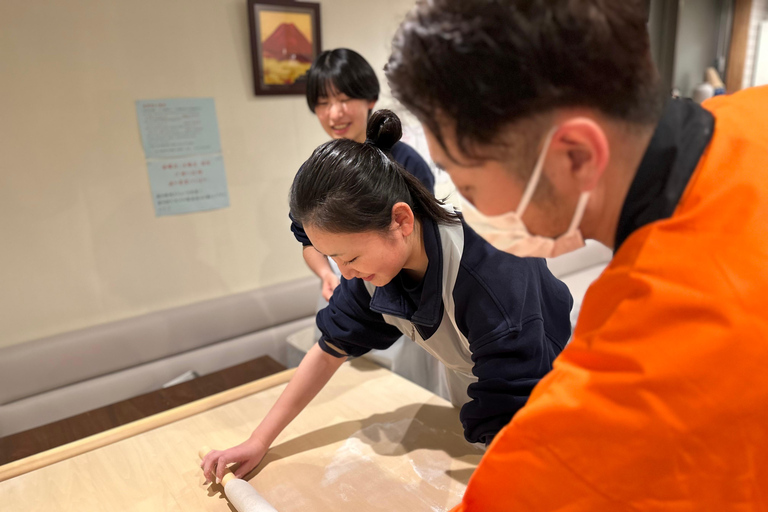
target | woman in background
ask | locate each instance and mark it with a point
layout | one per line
(342, 90)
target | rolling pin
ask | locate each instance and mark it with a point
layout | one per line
(239, 492)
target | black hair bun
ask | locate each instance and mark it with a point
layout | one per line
(384, 129)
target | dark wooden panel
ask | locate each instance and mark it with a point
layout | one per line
(737, 55)
(36, 440)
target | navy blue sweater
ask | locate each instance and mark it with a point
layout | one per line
(513, 312)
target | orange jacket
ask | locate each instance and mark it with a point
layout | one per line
(660, 402)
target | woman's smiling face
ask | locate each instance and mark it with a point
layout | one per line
(343, 117)
(371, 255)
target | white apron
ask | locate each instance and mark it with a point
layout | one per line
(404, 358)
(448, 345)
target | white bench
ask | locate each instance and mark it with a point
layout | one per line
(59, 376)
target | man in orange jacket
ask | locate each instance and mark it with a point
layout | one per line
(547, 113)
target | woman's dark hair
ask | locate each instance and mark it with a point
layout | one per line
(482, 65)
(344, 70)
(349, 187)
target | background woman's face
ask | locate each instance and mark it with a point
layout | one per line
(342, 117)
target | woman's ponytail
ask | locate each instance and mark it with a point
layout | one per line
(384, 129)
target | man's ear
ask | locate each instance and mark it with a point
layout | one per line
(584, 151)
(402, 219)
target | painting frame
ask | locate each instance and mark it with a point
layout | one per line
(272, 73)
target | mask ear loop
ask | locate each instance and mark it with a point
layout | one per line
(534, 180)
(579, 213)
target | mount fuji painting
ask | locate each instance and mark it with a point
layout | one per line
(286, 54)
(286, 42)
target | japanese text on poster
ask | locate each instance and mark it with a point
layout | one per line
(178, 127)
(190, 184)
(183, 152)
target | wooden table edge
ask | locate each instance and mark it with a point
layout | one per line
(60, 453)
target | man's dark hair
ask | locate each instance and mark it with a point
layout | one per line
(343, 70)
(485, 64)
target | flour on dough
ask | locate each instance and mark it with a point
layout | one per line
(353, 475)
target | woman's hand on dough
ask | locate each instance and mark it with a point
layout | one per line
(248, 454)
(330, 282)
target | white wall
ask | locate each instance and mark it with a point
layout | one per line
(79, 241)
(760, 75)
(698, 22)
(758, 15)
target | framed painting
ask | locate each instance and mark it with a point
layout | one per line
(285, 39)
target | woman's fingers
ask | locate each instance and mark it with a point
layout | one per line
(208, 464)
(215, 462)
(244, 469)
(221, 466)
(330, 283)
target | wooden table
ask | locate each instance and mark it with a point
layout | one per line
(29, 442)
(370, 441)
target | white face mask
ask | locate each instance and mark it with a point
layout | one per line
(507, 232)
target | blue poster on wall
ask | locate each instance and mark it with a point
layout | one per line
(189, 184)
(183, 151)
(178, 127)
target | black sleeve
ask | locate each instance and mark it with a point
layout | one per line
(514, 336)
(298, 231)
(349, 327)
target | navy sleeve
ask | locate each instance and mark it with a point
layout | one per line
(349, 327)
(298, 231)
(412, 162)
(515, 314)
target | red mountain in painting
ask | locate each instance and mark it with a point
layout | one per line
(287, 43)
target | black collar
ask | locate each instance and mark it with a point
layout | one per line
(682, 135)
(391, 299)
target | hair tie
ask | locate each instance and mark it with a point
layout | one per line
(370, 141)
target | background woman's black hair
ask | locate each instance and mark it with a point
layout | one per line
(344, 70)
(349, 187)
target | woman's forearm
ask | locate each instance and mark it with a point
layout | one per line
(314, 372)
